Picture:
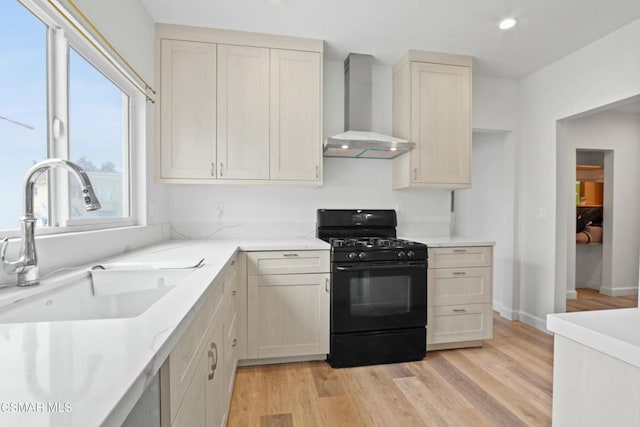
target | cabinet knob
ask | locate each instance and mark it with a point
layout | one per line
(233, 293)
(234, 342)
(317, 171)
(213, 169)
(221, 169)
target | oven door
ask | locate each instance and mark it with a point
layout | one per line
(378, 296)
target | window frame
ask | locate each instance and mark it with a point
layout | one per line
(61, 37)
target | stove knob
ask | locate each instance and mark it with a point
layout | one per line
(401, 254)
(362, 255)
(411, 254)
(353, 256)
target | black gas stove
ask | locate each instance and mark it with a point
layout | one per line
(378, 288)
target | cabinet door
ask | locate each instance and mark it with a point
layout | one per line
(216, 400)
(441, 124)
(288, 315)
(243, 112)
(191, 412)
(187, 109)
(296, 139)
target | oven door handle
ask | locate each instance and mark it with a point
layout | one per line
(380, 267)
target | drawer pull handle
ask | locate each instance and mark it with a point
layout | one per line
(459, 273)
(459, 251)
(290, 255)
(234, 342)
(233, 293)
(233, 262)
(213, 360)
(326, 285)
(459, 310)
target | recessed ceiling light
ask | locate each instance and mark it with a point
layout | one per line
(393, 149)
(507, 23)
(344, 147)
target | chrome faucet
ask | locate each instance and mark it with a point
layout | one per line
(26, 267)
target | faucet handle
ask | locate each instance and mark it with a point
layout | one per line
(9, 267)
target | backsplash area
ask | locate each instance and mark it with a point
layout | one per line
(217, 211)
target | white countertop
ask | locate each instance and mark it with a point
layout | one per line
(447, 241)
(99, 368)
(612, 332)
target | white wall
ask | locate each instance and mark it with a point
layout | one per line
(290, 211)
(619, 133)
(486, 212)
(599, 74)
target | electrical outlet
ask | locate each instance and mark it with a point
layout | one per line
(219, 209)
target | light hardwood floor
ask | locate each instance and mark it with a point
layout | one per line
(508, 382)
(590, 299)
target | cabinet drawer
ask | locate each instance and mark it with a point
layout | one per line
(467, 256)
(455, 323)
(447, 286)
(287, 262)
(185, 355)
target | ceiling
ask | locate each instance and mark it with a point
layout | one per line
(548, 29)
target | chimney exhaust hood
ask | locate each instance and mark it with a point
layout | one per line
(358, 140)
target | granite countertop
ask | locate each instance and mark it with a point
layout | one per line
(94, 371)
(612, 332)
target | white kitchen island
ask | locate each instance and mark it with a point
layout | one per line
(596, 368)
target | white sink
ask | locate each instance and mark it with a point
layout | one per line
(103, 294)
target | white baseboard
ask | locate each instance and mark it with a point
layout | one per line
(534, 321)
(572, 295)
(505, 312)
(618, 292)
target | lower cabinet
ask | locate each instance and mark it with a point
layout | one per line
(288, 315)
(202, 405)
(194, 380)
(459, 295)
(288, 303)
(247, 315)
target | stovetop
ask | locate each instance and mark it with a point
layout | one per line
(367, 249)
(372, 243)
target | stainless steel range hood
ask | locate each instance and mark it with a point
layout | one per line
(358, 140)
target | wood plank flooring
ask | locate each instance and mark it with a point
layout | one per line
(508, 382)
(590, 299)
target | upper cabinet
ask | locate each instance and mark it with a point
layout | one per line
(296, 98)
(432, 107)
(188, 109)
(238, 107)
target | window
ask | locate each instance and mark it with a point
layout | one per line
(23, 108)
(60, 98)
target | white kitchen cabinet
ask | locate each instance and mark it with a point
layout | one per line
(187, 109)
(432, 107)
(459, 295)
(287, 304)
(238, 107)
(243, 112)
(196, 380)
(296, 121)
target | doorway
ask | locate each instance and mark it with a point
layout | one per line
(598, 150)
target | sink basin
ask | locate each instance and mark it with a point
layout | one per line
(103, 294)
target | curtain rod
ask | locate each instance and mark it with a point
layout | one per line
(129, 73)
